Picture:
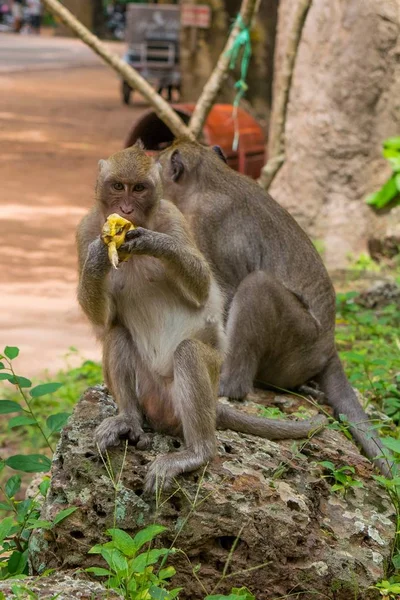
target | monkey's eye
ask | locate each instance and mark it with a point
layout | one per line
(118, 186)
(139, 187)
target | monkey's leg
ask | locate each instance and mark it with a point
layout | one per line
(119, 375)
(270, 336)
(196, 372)
(343, 399)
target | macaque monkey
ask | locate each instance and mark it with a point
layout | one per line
(279, 300)
(159, 318)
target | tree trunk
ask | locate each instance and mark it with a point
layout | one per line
(343, 102)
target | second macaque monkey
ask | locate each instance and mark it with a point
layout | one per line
(159, 318)
(279, 300)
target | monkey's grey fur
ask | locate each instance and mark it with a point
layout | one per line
(280, 302)
(159, 318)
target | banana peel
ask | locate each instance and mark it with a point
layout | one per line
(113, 235)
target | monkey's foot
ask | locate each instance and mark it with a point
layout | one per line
(112, 429)
(234, 391)
(161, 474)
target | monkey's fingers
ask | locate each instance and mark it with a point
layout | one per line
(113, 254)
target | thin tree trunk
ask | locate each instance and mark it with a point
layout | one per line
(276, 139)
(132, 77)
(219, 74)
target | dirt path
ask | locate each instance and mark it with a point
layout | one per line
(54, 127)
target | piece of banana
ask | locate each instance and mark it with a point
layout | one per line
(113, 235)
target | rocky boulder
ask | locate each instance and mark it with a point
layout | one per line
(273, 500)
(58, 585)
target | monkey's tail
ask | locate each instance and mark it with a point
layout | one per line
(272, 429)
(341, 396)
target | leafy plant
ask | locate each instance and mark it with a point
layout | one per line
(131, 572)
(342, 477)
(15, 529)
(388, 590)
(236, 594)
(389, 192)
(374, 367)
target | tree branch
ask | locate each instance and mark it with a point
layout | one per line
(130, 75)
(219, 74)
(276, 139)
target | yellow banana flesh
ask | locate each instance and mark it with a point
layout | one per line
(113, 235)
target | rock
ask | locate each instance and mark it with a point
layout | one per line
(380, 294)
(59, 585)
(272, 498)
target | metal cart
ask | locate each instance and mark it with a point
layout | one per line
(152, 34)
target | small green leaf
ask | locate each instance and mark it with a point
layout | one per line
(44, 389)
(56, 422)
(123, 542)
(166, 573)
(21, 420)
(39, 524)
(23, 382)
(5, 527)
(12, 486)
(2, 365)
(392, 444)
(9, 406)
(5, 376)
(44, 486)
(396, 561)
(98, 571)
(11, 352)
(138, 564)
(115, 560)
(5, 506)
(17, 562)
(147, 535)
(96, 549)
(328, 465)
(157, 593)
(63, 514)
(29, 463)
(385, 195)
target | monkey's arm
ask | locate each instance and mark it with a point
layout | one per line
(189, 270)
(92, 288)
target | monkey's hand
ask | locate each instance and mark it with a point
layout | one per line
(110, 431)
(145, 241)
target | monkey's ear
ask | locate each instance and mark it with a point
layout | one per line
(102, 164)
(139, 144)
(177, 166)
(218, 150)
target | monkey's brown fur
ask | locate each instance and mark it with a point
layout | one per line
(280, 302)
(159, 317)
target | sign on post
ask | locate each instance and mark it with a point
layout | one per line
(198, 15)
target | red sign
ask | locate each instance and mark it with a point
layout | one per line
(198, 15)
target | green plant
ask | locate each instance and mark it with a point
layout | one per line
(15, 529)
(236, 594)
(131, 572)
(342, 477)
(374, 366)
(388, 590)
(389, 192)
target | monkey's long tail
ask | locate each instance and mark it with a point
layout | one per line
(341, 396)
(272, 429)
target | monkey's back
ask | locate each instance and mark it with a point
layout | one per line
(247, 230)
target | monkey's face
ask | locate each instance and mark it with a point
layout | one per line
(129, 184)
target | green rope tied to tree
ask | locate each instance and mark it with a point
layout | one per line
(242, 41)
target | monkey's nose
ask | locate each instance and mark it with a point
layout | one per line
(125, 210)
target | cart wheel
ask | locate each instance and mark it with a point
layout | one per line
(126, 92)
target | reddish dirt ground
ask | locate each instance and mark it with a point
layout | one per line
(54, 127)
